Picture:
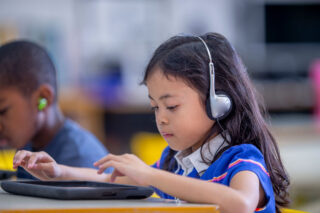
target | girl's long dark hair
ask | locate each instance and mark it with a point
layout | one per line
(185, 57)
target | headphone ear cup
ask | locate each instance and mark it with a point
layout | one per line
(229, 107)
(208, 106)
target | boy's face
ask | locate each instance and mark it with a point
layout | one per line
(180, 113)
(17, 118)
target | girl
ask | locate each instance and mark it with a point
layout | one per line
(220, 149)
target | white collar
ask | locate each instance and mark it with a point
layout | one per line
(188, 160)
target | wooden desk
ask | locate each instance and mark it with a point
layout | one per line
(10, 203)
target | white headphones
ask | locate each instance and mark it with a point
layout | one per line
(218, 104)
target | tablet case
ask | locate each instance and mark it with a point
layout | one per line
(76, 190)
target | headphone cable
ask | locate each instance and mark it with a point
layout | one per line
(220, 126)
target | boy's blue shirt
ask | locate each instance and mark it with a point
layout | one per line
(245, 157)
(72, 146)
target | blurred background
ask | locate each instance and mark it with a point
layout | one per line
(101, 48)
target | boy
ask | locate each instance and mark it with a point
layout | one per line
(30, 117)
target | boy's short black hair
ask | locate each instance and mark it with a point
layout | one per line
(25, 65)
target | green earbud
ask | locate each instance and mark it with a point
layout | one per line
(42, 103)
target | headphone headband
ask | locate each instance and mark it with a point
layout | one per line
(207, 48)
(211, 68)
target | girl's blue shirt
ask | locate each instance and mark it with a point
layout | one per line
(244, 157)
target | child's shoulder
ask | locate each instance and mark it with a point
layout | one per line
(242, 153)
(243, 150)
(74, 132)
(240, 157)
(73, 138)
(235, 159)
(237, 151)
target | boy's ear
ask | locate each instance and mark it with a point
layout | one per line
(45, 91)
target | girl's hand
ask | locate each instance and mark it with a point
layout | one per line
(125, 165)
(39, 164)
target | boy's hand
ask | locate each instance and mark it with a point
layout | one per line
(125, 165)
(39, 164)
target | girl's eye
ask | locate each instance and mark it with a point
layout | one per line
(172, 107)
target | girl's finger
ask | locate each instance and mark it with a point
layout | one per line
(108, 164)
(33, 160)
(102, 160)
(104, 166)
(110, 157)
(115, 174)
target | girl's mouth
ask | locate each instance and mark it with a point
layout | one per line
(167, 135)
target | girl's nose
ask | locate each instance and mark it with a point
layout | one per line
(162, 118)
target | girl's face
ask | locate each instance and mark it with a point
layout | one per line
(180, 113)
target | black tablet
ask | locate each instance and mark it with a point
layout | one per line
(5, 174)
(76, 190)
